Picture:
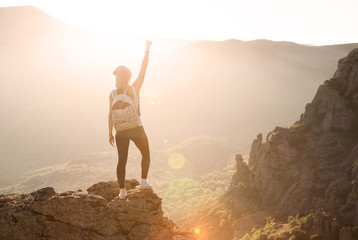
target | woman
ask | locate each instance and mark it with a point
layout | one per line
(132, 129)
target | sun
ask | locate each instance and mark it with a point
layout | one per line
(184, 19)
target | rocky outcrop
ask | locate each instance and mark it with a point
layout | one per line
(98, 214)
(310, 167)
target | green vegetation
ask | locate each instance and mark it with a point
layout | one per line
(316, 237)
(299, 221)
(271, 136)
(269, 232)
(297, 233)
(294, 230)
(293, 127)
(185, 195)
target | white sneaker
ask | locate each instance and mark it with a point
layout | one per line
(145, 184)
(122, 193)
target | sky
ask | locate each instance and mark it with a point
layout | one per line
(316, 22)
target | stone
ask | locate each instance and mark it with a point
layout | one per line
(45, 214)
(345, 234)
(110, 189)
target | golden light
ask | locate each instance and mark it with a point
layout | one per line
(176, 160)
(197, 230)
(233, 19)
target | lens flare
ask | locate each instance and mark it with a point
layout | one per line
(197, 230)
(176, 161)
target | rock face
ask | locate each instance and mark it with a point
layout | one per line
(310, 167)
(100, 214)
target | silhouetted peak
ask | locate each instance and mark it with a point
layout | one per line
(23, 22)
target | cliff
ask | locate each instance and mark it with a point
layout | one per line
(98, 214)
(310, 169)
(300, 182)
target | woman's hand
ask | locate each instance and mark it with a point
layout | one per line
(149, 43)
(111, 139)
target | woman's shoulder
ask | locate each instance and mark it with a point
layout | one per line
(112, 93)
(134, 89)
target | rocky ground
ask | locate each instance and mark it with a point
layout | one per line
(98, 214)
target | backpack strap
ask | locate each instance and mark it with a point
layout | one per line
(136, 97)
(114, 91)
(125, 90)
(134, 91)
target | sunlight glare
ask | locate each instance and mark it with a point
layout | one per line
(277, 20)
(176, 160)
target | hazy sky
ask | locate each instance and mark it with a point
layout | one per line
(315, 22)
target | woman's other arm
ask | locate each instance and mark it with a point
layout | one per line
(139, 81)
(110, 122)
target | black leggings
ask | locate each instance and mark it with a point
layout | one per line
(138, 136)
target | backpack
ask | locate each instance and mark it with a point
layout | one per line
(125, 114)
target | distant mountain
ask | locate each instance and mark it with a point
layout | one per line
(21, 24)
(300, 182)
(185, 160)
(222, 86)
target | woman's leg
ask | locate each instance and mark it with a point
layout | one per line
(141, 141)
(122, 142)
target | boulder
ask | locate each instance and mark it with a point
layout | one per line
(45, 214)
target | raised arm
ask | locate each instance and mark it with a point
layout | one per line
(139, 81)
